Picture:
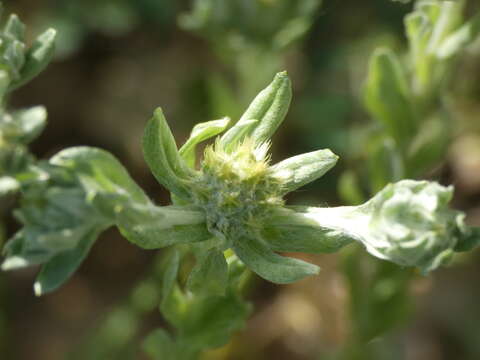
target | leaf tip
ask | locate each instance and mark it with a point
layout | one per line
(50, 33)
(37, 289)
(13, 262)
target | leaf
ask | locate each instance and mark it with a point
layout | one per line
(418, 29)
(160, 346)
(269, 108)
(161, 155)
(33, 245)
(299, 170)
(37, 58)
(4, 82)
(384, 162)
(462, 37)
(201, 132)
(387, 302)
(153, 227)
(30, 123)
(210, 321)
(210, 274)
(289, 230)
(8, 185)
(270, 266)
(448, 19)
(112, 191)
(14, 28)
(59, 269)
(234, 136)
(349, 188)
(387, 97)
(15, 257)
(429, 145)
(14, 57)
(276, 112)
(55, 216)
(173, 303)
(469, 240)
(101, 174)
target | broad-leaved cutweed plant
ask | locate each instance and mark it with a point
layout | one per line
(228, 211)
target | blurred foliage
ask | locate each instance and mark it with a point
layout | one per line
(75, 20)
(246, 35)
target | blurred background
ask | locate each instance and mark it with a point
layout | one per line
(117, 60)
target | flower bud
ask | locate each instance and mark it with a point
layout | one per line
(411, 225)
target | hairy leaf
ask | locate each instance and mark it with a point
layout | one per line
(161, 155)
(201, 132)
(58, 270)
(270, 266)
(269, 108)
(37, 58)
(210, 274)
(152, 227)
(387, 96)
(300, 170)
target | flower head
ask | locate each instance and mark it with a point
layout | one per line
(231, 205)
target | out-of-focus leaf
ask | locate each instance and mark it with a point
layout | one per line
(14, 57)
(37, 58)
(55, 218)
(210, 321)
(160, 346)
(469, 242)
(270, 25)
(210, 274)
(387, 96)
(429, 27)
(23, 126)
(270, 266)
(8, 185)
(223, 99)
(58, 270)
(429, 146)
(349, 188)
(447, 20)
(384, 162)
(14, 28)
(172, 302)
(388, 301)
(4, 81)
(459, 39)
